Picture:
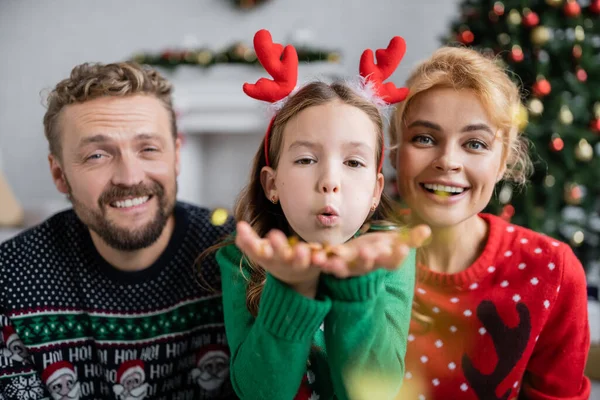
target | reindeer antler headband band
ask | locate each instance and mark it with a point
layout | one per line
(282, 64)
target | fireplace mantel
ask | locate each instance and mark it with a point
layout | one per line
(211, 100)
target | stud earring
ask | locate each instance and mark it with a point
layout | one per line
(374, 207)
(274, 199)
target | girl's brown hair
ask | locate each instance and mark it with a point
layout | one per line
(252, 204)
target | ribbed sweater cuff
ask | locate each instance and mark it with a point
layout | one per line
(288, 314)
(358, 288)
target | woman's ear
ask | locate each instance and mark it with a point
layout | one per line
(267, 181)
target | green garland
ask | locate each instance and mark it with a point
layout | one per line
(238, 53)
(247, 4)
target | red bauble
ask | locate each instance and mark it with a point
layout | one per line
(507, 212)
(516, 54)
(466, 37)
(557, 144)
(542, 88)
(531, 19)
(581, 75)
(572, 8)
(498, 8)
(595, 125)
(595, 6)
(577, 51)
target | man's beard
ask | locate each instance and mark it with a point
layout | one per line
(122, 238)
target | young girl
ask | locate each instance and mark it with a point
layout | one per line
(317, 176)
(500, 310)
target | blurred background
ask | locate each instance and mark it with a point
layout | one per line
(205, 48)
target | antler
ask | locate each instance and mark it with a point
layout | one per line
(510, 343)
(283, 69)
(387, 62)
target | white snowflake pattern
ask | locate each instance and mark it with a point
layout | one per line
(25, 388)
(310, 376)
(314, 396)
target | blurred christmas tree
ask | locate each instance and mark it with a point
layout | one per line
(553, 47)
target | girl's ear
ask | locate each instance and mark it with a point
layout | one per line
(267, 180)
(379, 184)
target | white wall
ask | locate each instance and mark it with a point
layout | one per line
(40, 41)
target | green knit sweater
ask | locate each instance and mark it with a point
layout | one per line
(350, 341)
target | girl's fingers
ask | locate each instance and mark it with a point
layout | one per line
(318, 257)
(281, 247)
(397, 257)
(419, 235)
(364, 262)
(301, 256)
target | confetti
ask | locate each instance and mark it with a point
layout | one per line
(219, 216)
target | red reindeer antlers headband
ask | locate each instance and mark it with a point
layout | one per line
(282, 64)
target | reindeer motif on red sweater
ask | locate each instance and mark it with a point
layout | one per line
(509, 344)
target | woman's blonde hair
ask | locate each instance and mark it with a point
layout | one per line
(462, 68)
(90, 81)
(252, 204)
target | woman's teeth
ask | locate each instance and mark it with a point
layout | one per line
(442, 190)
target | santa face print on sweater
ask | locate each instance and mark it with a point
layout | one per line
(449, 157)
(131, 378)
(61, 380)
(15, 350)
(212, 367)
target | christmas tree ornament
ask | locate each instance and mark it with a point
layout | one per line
(565, 115)
(542, 87)
(549, 181)
(584, 151)
(598, 149)
(578, 238)
(530, 18)
(595, 6)
(557, 144)
(579, 33)
(581, 75)
(516, 53)
(554, 3)
(507, 212)
(572, 9)
(577, 51)
(466, 37)
(543, 56)
(595, 125)
(505, 193)
(597, 109)
(504, 39)
(514, 17)
(574, 194)
(535, 106)
(540, 35)
(498, 8)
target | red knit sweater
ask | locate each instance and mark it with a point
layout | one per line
(512, 324)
